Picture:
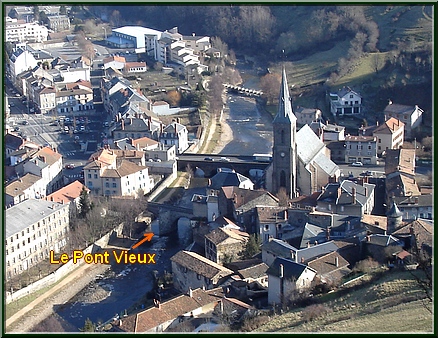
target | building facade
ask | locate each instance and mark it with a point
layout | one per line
(33, 229)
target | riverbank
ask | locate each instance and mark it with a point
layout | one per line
(226, 133)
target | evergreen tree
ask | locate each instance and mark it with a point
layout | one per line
(85, 204)
(88, 326)
(252, 247)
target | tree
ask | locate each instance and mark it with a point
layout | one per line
(215, 94)
(85, 204)
(89, 326)
(252, 247)
(36, 13)
(62, 10)
(270, 85)
(173, 97)
(283, 198)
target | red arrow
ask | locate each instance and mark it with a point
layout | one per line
(147, 237)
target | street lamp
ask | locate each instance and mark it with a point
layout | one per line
(104, 29)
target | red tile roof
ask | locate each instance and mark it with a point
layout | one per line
(68, 193)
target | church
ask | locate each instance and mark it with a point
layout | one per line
(300, 160)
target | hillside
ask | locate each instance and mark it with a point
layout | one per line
(391, 304)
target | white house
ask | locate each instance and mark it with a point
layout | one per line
(345, 102)
(23, 188)
(21, 31)
(20, 61)
(286, 277)
(307, 115)
(175, 134)
(411, 116)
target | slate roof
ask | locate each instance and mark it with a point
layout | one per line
(380, 222)
(13, 141)
(290, 269)
(330, 194)
(382, 240)
(28, 212)
(225, 179)
(285, 114)
(247, 199)
(309, 149)
(312, 233)
(414, 201)
(399, 109)
(174, 128)
(200, 264)
(255, 271)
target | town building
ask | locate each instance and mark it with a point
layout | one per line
(296, 153)
(347, 198)
(108, 174)
(307, 115)
(23, 188)
(411, 116)
(175, 134)
(229, 178)
(22, 31)
(70, 194)
(389, 135)
(192, 271)
(224, 245)
(286, 277)
(33, 228)
(59, 23)
(345, 102)
(360, 149)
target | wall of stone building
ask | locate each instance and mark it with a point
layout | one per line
(64, 269)
(229, 250)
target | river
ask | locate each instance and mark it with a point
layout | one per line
(251, 126)
(120, 288)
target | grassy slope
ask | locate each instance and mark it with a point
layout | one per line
(415, 23)
(386, 306)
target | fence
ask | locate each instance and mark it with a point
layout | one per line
(63, 270)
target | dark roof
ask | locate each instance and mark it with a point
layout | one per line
(199, 264)
(422, 229)
(226, 179)
(254, 272)
(326, 265)
(330, 194)
(13, 141)
(291, 270)
(382, 240)
(414, 201)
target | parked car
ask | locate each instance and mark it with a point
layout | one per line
(69, 166)
(16, 128)
(24, 123)
(224, 159)
(357, 164)
(208, 159)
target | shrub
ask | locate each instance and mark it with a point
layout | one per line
(314, 311)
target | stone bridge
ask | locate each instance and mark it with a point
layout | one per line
(168, 216)
(243, 90)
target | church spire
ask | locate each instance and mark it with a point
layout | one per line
(284, 112)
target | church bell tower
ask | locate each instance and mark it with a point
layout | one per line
(284, 152)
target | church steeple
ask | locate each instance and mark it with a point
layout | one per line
(284, 152)
(284, 112)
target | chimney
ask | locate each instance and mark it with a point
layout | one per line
(130, 120)
(411, 230)
(123, 124)
(190, 293)
(353, 193)
(416, 200)
(51, 198)
(339, 192)
(222, 306)
(178, 120)
(161, 128)
(62, 201)
(366, 191)
(337, 261)
(302, 260)
(308, 244)
(281, 271)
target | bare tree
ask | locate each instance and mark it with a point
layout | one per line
(215, 94)
(270, 85)
(377, 62)
(283, 198)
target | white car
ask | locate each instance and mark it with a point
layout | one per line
(357, 164)
(224, 159)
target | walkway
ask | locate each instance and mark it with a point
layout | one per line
(39, 309)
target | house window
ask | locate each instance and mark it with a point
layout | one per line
(114, 185)
(351, 96)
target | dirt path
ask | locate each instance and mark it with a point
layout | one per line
(39, 309)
